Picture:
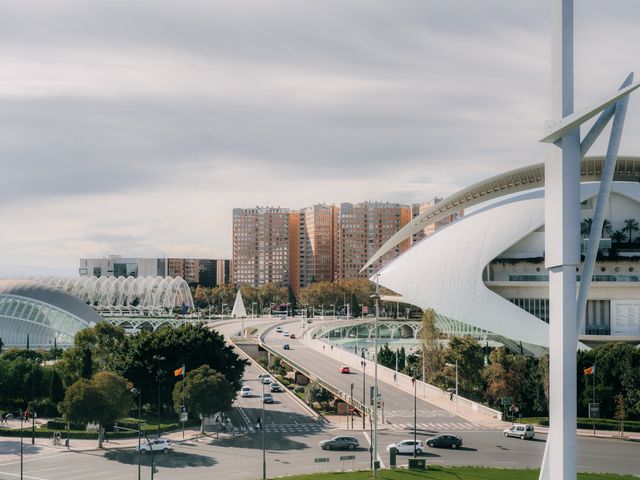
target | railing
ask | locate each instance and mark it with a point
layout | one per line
(324, 384)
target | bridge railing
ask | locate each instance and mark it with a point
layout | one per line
(324, 384)
(429, 392)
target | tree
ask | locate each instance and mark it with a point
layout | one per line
(205, 392)
(621, 411)
(618, 236)
(314, 393)
(430, 348)
(607, 228)
(56, 389)
(631, 225)
(585, 227)
(190, 345)
(103, 399)
(468, 353)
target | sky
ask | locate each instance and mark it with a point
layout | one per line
(135, 127)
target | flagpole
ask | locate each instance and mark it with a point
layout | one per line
(593, 387)
(182, 409)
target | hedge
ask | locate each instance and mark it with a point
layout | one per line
(601, 424)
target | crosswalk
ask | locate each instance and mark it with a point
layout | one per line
(293, 428)
(439, 426)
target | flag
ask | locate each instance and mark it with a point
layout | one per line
(179, 371)
(590, 371)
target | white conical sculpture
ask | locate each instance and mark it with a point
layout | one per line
(238, 307)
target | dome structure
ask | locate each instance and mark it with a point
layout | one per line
(44, 314)
(153, 295)
(487, 268)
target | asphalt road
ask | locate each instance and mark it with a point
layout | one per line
(398, 404)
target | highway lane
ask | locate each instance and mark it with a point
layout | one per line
(398, 404)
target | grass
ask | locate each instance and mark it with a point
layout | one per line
(452, 473)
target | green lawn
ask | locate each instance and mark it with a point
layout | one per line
(451, 473)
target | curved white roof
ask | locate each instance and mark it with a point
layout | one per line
(118, 292)
(444, 271)
(46, 314)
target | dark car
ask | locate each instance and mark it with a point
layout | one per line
(444, 441)
(286, 346)
(336, 443)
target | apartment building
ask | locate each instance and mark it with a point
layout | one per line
(316, 245)
(419, 208)
(195, 271)
(360, 230)
(261, 248)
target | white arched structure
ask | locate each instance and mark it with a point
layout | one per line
(445, 270)
(152, 295)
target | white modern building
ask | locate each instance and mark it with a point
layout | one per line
(487, 268)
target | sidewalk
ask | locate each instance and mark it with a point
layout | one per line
(584, 432)
(84, 445)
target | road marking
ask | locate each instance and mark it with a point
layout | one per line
(366, 435)
(23, 476)
(30, 460)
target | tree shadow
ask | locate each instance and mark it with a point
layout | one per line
(169, 460)
(273, 441)
(12, 447)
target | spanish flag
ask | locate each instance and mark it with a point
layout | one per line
(590, 371)
(178, 372)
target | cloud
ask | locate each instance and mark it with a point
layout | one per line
(136, 129)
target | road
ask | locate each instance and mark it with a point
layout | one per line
(291, 439)
(398, 405)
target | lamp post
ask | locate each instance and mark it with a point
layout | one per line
(21, 446)
(158, 359)
(376, 297)
(136, 392)
(363, 364)
(351, 407)
(415, 414)
(253, 306)
(36, 361)
(456, 366)
(264, 452)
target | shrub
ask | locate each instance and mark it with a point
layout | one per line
(299, 389)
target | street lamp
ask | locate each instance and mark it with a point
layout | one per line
(455, 365)
(333, 308)
(263, 425)
(363, 364)
(376, 297)
(253, 306)
(36, 361)
(351, 408)
(158, 359)
(21, 445)
(136, 392)
(415, 414)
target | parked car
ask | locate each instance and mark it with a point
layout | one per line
(286, 346)
(444, 441)
(406, 446)
(157, 445)
(266, 379)
(246, 392)
(520, 430)
(267, 398)
(279, 329)
(344, 369)
(293, 335)
(275, 387)
(336, 443)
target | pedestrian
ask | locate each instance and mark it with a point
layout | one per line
(332, 348)
(451, 396)
(259, 423)
(395, 377)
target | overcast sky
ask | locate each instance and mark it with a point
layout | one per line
(135, 127)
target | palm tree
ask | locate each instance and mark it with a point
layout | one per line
(631, 225)
(618, 236)
(585, 227)
(607, 228)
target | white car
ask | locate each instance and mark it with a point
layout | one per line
(157, 445)
(406, 446)
(520, 430)
(279, 329)
(246, 392)
(267, 379)
(286, 334)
